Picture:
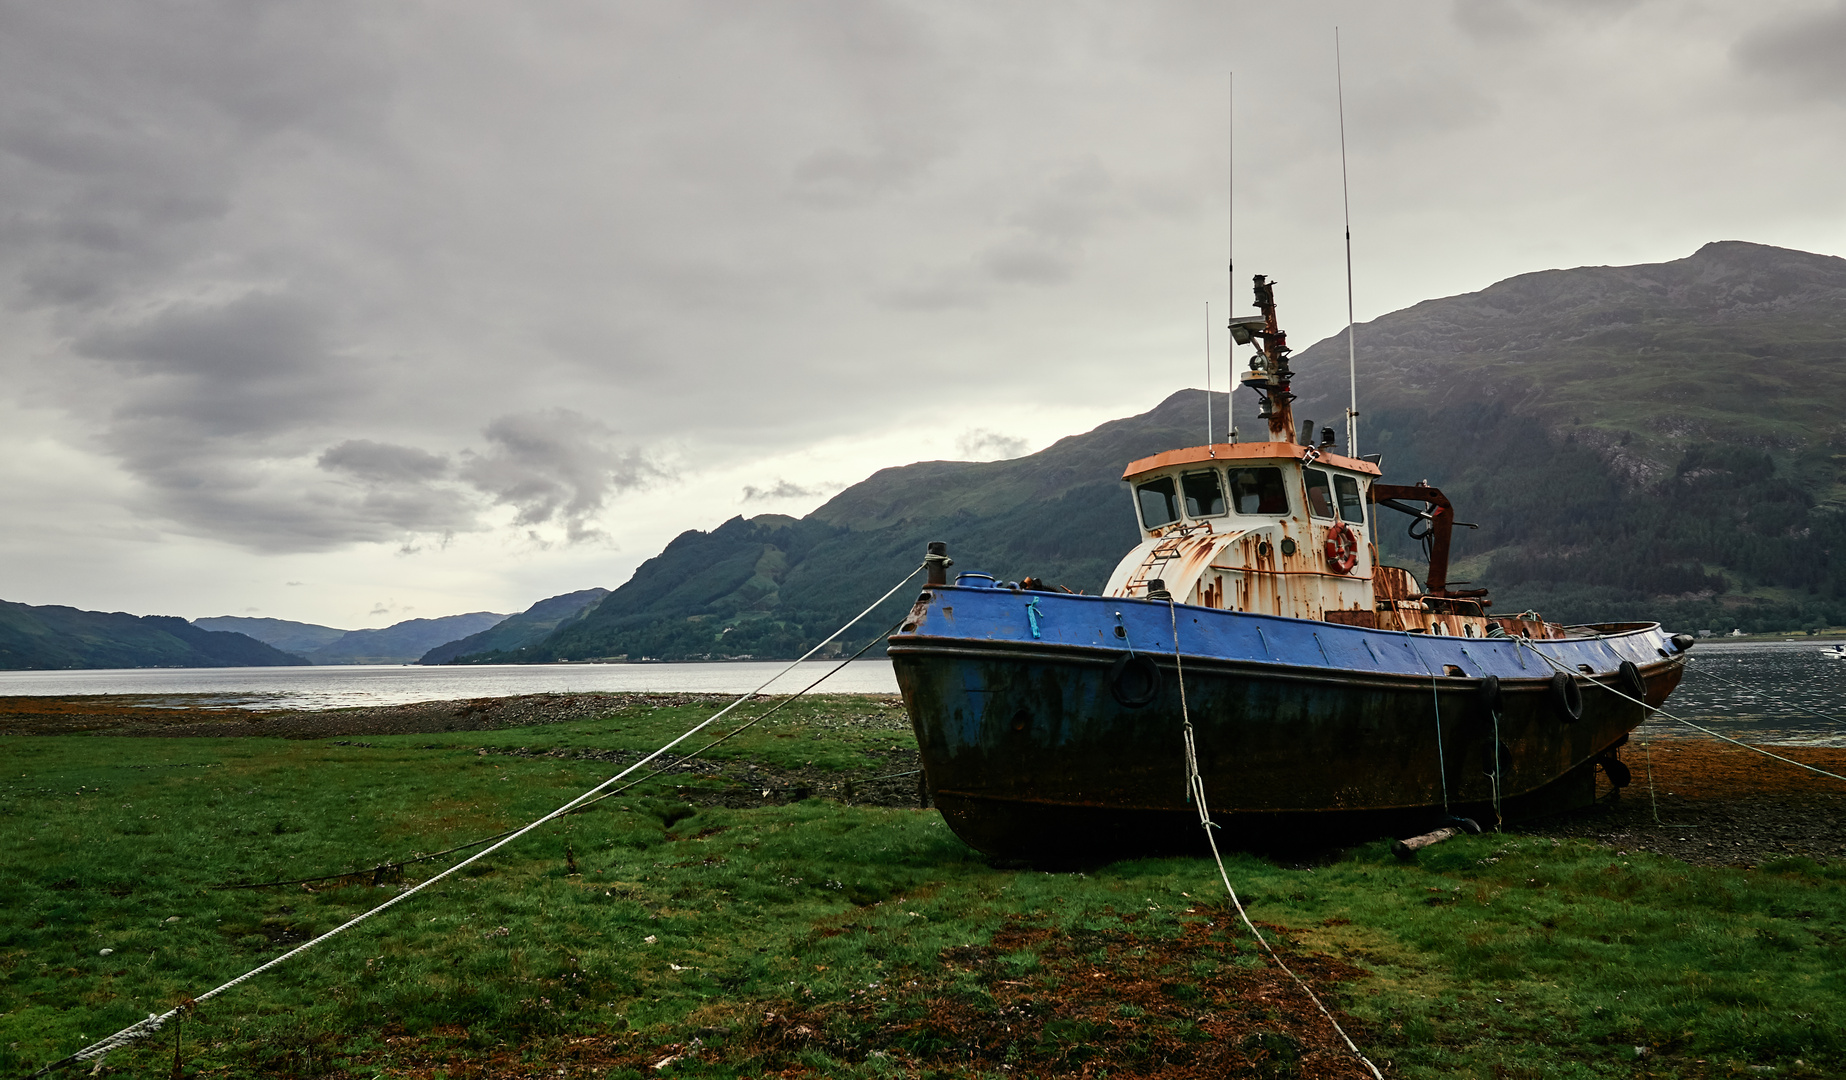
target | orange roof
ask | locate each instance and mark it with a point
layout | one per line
(1243, 452)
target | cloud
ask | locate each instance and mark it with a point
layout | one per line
(556, 465)
(383, 463)
(783, 489)
(980, 444)
(1807, 52)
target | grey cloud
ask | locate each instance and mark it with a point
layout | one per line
(125, 135)
(980, 444)
(383, 463)
(556, 464)
(781, 489)
(1806, 52)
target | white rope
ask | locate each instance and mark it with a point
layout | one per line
(1497, 744)
(1681, 719)
(153, 1023)
(1195, 784)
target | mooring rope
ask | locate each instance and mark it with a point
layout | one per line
(1435, 698)
(1497, 744)
(154, 1022)
(766, 714)
(1195, 791)
(1679, 719)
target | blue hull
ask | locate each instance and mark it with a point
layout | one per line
(1037, 741)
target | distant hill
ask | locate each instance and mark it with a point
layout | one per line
(294, 637)
(1664, 441)
(64, 637)
(402, 643)
(528, 627)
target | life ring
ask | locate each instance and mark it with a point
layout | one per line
(1632, 683)
(1567, 697)
(1134, 680)
(1342, 548)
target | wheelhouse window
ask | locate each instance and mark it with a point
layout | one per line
(1258, 491)
(1159, 506)
(1320, 493)
(1352, 506)
(1204, 498)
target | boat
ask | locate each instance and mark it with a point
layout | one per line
(1332, 697)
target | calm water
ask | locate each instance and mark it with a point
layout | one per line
(1769, 685)
(341, 685)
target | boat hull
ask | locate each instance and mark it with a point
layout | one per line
(1304, 730)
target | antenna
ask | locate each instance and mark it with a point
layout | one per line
(1210, 450)
(1352, 361)
(1208, 379)
(1230, 250)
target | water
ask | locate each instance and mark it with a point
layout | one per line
(1775, 680)
(1771, 688)
(343, 685)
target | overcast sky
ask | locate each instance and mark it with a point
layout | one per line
(355, 312)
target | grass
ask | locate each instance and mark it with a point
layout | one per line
(847, 941)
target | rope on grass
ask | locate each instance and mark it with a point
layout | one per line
(382, 867)
(1195, 792)
(154, 1022)
(1679, 719)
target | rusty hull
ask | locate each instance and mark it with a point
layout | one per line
(1028, 753)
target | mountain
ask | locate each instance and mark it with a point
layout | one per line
(772, 586)
(1663, 441)
(1658, 441)
(64, 637)
(294, 637)
(526, 628)
(402, 643)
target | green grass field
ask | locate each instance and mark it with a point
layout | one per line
(831, 939)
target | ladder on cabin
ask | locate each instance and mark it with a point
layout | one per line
(1167, 551)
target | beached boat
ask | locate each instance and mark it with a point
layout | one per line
(1332, 697)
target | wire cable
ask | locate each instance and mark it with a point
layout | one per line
(154, 1022)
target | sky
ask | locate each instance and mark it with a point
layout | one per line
(353, 312)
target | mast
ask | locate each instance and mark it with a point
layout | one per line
(1269, 373)
(1352, 355)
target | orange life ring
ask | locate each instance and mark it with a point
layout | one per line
(1342, 548)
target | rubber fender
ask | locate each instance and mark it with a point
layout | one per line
(1466, 824)
(1682, 642)
(1632, 684)
(1491, 698)
(1566, 697)
(1134, 680)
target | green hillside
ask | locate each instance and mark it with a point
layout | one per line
(1644, 442)
(64, 637)
(528, 627)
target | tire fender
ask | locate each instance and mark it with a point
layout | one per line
(1134, 680)
(1566, 697)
